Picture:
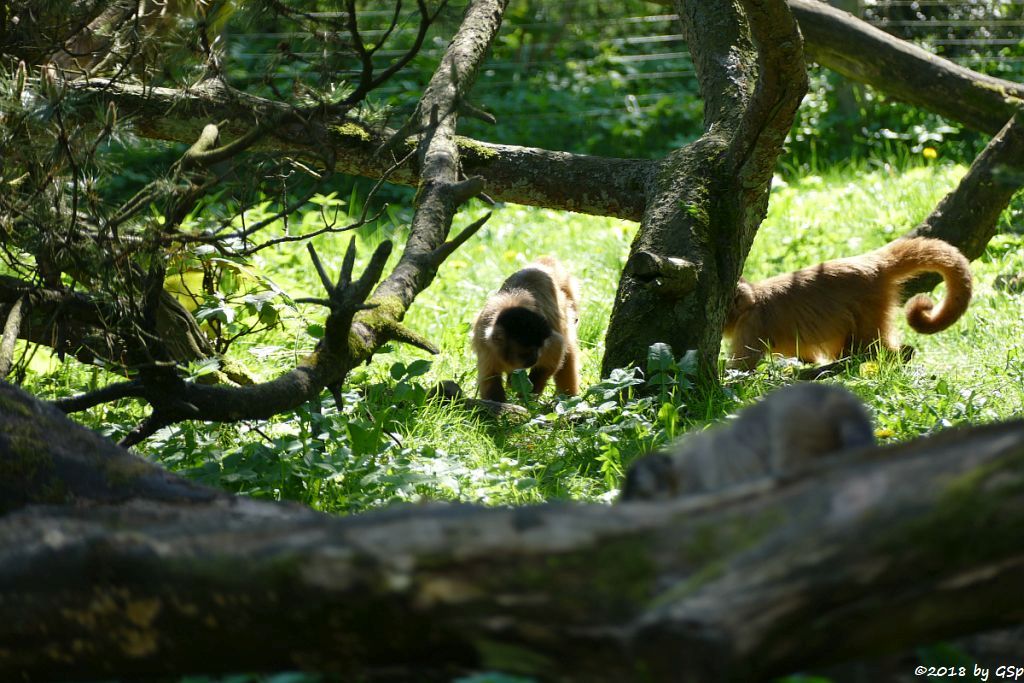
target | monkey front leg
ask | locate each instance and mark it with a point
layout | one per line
(490, 382)
(539, 377)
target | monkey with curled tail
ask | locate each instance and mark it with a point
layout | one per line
(529, 323)
(789, 428)
(845, 306)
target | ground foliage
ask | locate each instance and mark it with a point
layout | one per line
(388, 442)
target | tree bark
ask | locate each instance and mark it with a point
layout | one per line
(110, 568)
(706, 201)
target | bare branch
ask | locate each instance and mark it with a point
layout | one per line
(464, 190)
(469, 109)
(208, 157)
(373, 271)
(325, 279)
(448, 248)
(345, 277)
(113, 392)
(400, 333)
(148, 428)
(313, 300)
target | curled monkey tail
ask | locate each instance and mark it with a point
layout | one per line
(905, 258)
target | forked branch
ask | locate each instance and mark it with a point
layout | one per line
(357, 323)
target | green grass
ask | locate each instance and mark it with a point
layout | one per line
(388, 443)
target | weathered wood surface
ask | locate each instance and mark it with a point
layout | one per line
(876, 550)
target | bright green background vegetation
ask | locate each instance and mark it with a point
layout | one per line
(389, 443)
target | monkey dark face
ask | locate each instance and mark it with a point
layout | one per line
(520, 356)
(520, 334)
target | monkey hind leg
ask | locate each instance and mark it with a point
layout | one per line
(880, 345)
(567, 377)
(746, 352)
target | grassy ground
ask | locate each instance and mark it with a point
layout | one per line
(386, 443)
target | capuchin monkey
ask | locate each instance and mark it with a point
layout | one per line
(788, 429)
(839, 307)
(529, 323)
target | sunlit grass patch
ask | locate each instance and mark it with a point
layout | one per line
(388, 443)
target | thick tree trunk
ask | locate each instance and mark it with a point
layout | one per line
(706, 201)
(780, 575)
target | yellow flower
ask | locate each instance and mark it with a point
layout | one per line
(868, 369)
(930, 153)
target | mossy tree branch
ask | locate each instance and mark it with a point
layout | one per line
(968, 216)
(441, 190)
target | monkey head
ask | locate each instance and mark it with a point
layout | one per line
(519, 335)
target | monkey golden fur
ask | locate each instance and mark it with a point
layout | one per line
(529, 323)
(788, 429)
(844, 306)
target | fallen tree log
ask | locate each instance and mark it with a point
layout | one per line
(876, 550)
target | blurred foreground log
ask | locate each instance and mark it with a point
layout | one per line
(112, 568)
